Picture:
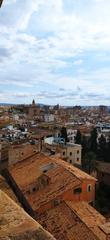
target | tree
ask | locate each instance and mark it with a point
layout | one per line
(64, 134)
(108, 150)
(78, 137)
(102, 148)
(84, 144)
(93, 141)
(89, 163)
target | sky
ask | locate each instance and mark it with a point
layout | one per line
(55, 51)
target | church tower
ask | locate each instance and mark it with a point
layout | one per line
(33, 103)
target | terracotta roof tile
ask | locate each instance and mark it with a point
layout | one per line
(64, 224)
(16, 224)
(93, 219)
(76, 171)
(6, 189)
(27, 172)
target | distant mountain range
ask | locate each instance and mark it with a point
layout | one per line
(16, 104)
(41, 105)
(7, 104)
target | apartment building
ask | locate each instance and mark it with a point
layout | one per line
(71, 153)
(49, 117)
(20, 152)
(4, 146)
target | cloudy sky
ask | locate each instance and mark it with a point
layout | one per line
(55, 51)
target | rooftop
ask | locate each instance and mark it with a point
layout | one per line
(75, 221)
(61, 178)
(63, 223)
(16, 224)
(71, 145)
(6, 189)
(75, 171)
(20, 171)
(93, 219)
(60, 174)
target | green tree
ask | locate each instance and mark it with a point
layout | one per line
(89, 163)
(102, 148)
(78, 137)
(93, 141)
(63, 134)
(84, 144)
(108, 150)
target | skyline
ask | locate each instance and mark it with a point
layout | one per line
(57, 52)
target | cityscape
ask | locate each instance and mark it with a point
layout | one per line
(54, 120)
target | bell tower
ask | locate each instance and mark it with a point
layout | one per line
(33, 103)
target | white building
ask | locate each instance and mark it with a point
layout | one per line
(71, 133)
(49, 117)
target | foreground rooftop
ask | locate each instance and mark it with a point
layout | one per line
(7, 189)
(92, 218)
(75, 221)
(64, 224)
(16, 224)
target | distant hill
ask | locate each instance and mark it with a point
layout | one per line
(7, 104)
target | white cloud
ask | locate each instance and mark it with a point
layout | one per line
(39, 37)
(18, 13)
(78, 62)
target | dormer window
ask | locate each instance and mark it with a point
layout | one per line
(34, 189)
(48, 167)
(43, 181)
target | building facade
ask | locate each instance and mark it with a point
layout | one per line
(71, 153)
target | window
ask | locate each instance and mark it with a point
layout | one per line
(56, 202)
(70, 161)
(77, 151)
(77, 159)
(70, 153)
(89, 188)
(91, 203)
(43, 182)
(34, 189)
(77, 190)
(63, 153)
(28, 192)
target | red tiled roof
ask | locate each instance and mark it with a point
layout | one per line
(16, 224)
(64, 224)
(28, 171)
